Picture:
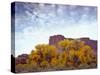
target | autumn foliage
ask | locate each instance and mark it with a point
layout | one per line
(67, 54)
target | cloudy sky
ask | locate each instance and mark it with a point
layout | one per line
(36, 22)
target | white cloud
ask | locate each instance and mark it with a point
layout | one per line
(29, 38)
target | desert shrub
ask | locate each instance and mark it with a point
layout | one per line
(67, 54)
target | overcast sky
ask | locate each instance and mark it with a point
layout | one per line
(35, 23)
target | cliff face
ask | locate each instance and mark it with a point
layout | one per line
(53, 40)
(92, 43)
